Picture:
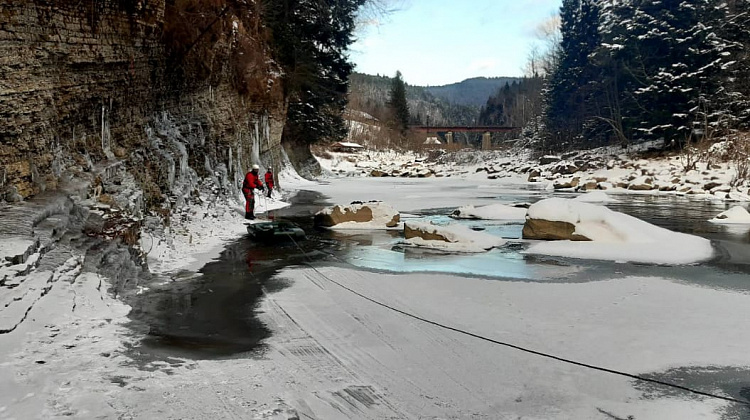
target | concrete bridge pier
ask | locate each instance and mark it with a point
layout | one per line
(449, 137)
(486, 140)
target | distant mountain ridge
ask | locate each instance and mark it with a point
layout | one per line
(456, 103)
(471, 92)
(369, 94)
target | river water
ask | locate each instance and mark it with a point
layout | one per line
(211, 313)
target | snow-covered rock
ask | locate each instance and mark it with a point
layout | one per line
(565, 168)
(359, 215)
(736, 214)
(490, 212)
(614, 236)
(551, 230)
(452, 238)
(16, 250)
(560, 184)
(545, 160)
(595, 197)
(738, 196)
(645, 183)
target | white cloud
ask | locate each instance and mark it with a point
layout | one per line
(484, 64)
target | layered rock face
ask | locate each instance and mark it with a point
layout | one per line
(551, 230)
(83, 84)
(426, 234)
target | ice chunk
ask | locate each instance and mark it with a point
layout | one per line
(490, 212)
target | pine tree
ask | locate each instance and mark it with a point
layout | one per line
(311, 39)
(736, 29)
(398, 105)
(568, 88)
(514, 105)
(670, 59)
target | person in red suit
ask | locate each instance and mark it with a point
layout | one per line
(252, 181)
(269, 182)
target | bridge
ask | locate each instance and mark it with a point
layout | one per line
(486, 131)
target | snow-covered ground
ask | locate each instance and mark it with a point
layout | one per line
(608, 168)
(334, 355)
(197, 235)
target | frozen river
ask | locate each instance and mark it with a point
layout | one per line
(332, 354)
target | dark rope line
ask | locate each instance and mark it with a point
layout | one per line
(523, 349)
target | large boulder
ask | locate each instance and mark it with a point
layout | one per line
(359, 215)
(611, 235)
(419, 231)
(711, 185)
(641, 186)
(551, 230)
(450, 238)
(559, 184)
(590, 185)
(565, 168)
(546, 160)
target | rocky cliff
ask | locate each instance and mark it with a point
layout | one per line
(139, 86)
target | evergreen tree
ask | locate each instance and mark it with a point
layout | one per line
(311, 39)
(569, 89)
(735, 28)
(371, 94)
(398, 105)
(675, 70)
(669, 58)
(514, 105)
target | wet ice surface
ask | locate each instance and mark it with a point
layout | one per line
(210, 313)
(729, 269)
(213, 313)
(733, 382)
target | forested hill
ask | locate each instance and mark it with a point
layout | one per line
(472, 92)
(369, 94)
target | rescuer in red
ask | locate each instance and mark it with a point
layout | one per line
(269, 182)
(252, 181)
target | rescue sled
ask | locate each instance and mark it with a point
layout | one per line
(275, 231)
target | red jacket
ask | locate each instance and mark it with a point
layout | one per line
(252, 181)
(269, 179)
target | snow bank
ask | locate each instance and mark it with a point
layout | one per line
(735, 215)
(452, 238)
(11, 247)
(372, 215)
(490, 212)
(595, 197)
(615, 236)
(198, 232)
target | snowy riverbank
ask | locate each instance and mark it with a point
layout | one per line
(609, 169)
(333, 355)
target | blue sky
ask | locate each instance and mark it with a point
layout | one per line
(437, 42)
